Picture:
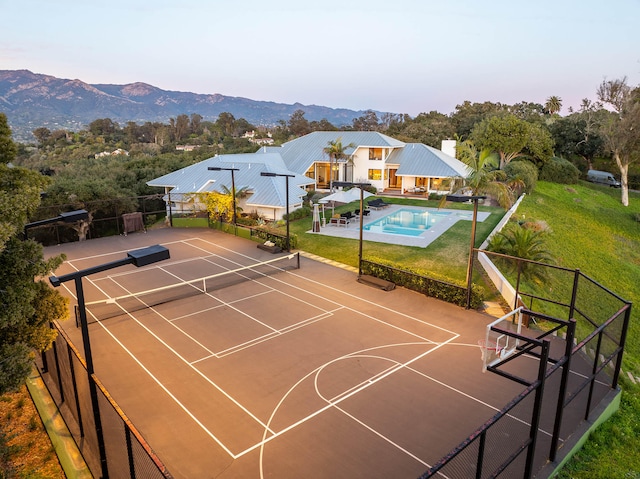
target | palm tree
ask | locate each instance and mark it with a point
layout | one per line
(526, 243)
(553, 104)
(485, 177)
(336, 151)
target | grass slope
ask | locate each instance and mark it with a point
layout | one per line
(591, 230)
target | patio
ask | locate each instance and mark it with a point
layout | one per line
(352, 229)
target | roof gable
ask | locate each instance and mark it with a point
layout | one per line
(301, 153)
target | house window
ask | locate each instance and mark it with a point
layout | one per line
(375, 174)
(311, 173)
(375, 154)
(441, 184)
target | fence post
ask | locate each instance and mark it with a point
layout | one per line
(537, 408)
(562, 393)
(574, 294)
(623, 339)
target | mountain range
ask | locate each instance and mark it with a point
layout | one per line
(33, 100)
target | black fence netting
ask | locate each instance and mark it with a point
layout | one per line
(106, 218)
(115, 449)
(585, 327)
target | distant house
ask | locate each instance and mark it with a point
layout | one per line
(187, 147)
(119, 151)
(388, 164)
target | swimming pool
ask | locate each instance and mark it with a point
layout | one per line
(406, 222)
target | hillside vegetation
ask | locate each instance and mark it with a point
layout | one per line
(592, 231)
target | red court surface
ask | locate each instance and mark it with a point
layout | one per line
(305, 373)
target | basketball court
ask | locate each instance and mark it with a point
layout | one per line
(280, 372)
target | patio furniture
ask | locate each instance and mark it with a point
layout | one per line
(348, 215)
(338, 220)
(377, 204)
(364, 213)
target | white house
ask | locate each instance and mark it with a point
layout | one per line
(388, 164)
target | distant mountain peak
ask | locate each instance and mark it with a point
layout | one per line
(31, 100)
(138, 89)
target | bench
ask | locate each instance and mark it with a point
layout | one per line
(271, 249)
(383, 284)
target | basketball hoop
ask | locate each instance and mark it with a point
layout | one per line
(489, 348)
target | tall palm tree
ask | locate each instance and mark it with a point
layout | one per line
(553, 104)
(336, 151)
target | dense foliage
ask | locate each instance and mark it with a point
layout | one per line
(525, 171)
(559, 170)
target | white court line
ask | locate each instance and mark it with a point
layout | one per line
(124, 251)
(330, 405)
(207, 379)
(363, 424)
(267, 337)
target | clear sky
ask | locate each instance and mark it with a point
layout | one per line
(402, 56)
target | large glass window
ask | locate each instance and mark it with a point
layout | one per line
(375, 154)
(311, 172)
(375, 174)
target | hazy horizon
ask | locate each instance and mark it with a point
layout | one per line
(405, 57)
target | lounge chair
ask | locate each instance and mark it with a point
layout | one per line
(348, 215)
(377, 204)
(364, 213)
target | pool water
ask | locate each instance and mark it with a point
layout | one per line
(406, 221)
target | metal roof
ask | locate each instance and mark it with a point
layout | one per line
(417, 159)
(267, 191)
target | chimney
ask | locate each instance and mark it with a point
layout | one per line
(449, 147)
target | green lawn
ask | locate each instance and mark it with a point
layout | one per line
(446, 257)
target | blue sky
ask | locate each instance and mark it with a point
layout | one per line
(403, 56)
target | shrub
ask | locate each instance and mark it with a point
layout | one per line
(300, 213)
(559, 170)
(525, 171)
(429, 286)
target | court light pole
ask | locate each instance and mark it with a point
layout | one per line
(361, 186)
(233, 187)
(140, 257)
(69, 217)
(286, 177)
(464, 199)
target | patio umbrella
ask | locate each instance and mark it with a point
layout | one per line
(345, 196)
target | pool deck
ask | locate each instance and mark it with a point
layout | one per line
(352, 230)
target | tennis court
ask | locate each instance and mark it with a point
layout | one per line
(275, 371)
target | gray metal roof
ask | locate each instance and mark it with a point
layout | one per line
(416, 159)
(267, 191)
(301, 153)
